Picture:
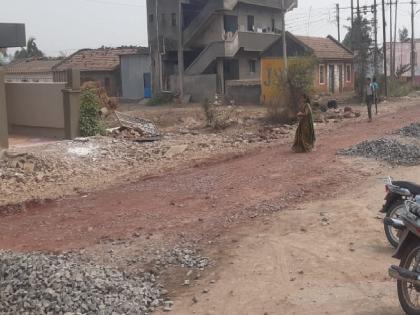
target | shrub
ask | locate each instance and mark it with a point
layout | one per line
(217, 116)
(300, 79)
(399, 88)
(161, 99)
(90, 122)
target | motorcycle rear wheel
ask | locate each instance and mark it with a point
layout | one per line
(408, 293)
(394, 213)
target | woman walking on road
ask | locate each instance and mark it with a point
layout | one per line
(305, 133)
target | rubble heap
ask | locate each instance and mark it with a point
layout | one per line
(389, 150)
(187, 258)
(46, 284)
(412, 130)
(19, 166)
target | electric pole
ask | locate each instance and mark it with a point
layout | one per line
(384, 47)
(375, 25)
(394, 61)
(352, 25)
(358, 10)
(283, 21)
(413, 49)
(338, 21)
(180, 53)
(391, 56)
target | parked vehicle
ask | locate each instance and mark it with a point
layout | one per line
(397, 193)
(408, 251)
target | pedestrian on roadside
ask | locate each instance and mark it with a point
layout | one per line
(375, 85)
(369, 97)
(305, 133)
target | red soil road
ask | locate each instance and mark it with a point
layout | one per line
(196, 200)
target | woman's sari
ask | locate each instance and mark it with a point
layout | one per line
(305, 133)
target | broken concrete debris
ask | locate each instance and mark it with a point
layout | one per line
(139, 125)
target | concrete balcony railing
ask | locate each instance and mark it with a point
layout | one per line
(289, 4)
(248, 41)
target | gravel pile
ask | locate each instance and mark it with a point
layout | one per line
(45, 284)
(186, 258)
(389, 150)
(412, 130)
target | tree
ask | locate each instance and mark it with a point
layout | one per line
(3, 56)
(361, 44)
(403, 34)
(31, 50)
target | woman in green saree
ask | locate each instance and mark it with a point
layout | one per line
(305, 133)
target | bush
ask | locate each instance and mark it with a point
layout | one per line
(217, 116)
(90, 122)
(300, 79)
(399, 88)
(161, 99)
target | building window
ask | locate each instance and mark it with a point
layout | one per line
(173, 19)
(252, 66)
(348, 73)
(250, 23)
(321, 74)
(150, 18)
(273, 25)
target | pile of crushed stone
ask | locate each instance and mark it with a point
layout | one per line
(389, 150)
(412, 130)
(35, 283)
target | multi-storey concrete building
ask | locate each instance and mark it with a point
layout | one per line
(222, 41)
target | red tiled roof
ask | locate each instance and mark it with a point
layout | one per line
(326, 47)
(31, 65)
(102, 59)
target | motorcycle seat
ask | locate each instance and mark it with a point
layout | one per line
(413, 188)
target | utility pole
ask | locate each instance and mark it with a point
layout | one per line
(384, 47)
(338, 21)
(352, 25)
(358, 10)
(283, 22)
(413, 49)
(394, 61)
(391, 56)
(180, 53)
(375, 25)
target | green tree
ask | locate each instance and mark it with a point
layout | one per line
(403, 32)
(30, 51)
(360, 41)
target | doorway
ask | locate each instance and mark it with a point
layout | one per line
(340, 78)
(331, 79)
(147, 81)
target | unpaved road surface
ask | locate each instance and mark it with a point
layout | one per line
(294, 261)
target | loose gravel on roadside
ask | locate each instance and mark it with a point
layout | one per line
(412, 130)
(389, 150)
(48, 284)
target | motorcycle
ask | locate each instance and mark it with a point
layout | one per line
(397, 192)
(408, 251)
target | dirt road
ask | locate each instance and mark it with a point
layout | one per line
(284, 263)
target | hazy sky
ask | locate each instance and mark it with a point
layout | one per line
(68, 25)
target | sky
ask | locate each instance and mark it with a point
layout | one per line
(64, 26)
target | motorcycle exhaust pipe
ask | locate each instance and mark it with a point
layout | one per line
(397, 224)
(404, 275)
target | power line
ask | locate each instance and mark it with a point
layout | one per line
(117, 3)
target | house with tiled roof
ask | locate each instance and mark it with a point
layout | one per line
(30, 70)
(101, 65)
(334, 69)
